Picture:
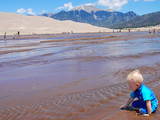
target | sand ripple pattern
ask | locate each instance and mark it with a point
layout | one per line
(65, 107)
(69, 106)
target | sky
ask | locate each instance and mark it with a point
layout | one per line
(37, 7)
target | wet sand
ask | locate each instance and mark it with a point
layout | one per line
(75, 76)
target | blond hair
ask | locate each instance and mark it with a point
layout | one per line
(135, 76)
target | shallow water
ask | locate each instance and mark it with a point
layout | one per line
(70, 79)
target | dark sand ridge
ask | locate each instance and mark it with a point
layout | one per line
(33, 36)
(91, 40)
(10, 37)
(98, 40)
(60, 40)
(108, 38)
(95, 104)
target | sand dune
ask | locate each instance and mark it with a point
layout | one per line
(12, 22)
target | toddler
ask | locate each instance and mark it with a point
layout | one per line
(147, 102)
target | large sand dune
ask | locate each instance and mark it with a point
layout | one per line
(12, 22)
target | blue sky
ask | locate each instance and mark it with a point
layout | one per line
(36, 7)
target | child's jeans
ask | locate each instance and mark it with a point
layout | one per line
(142, 106)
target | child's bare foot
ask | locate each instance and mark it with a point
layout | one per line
(146, 115)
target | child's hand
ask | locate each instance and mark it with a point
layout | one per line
(123, 107)
(146, 115)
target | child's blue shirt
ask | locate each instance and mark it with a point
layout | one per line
(144, 93)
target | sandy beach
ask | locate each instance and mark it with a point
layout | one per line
(75, 76)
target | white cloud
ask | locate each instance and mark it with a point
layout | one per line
(112, 4)
(43, 11)
(90, 4)
(30, 11)
(67, 6)
(21, 11)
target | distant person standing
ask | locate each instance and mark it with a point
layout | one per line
(18, 34)
(149, 31)
(129, 30)
(5, 36)
(154, 31)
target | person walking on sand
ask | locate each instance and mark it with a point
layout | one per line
(147, 102)
(154, 31)
(5, 36)
(18, 34)
(149, 31)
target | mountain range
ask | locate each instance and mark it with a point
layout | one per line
(106, 18)
(151, 19)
